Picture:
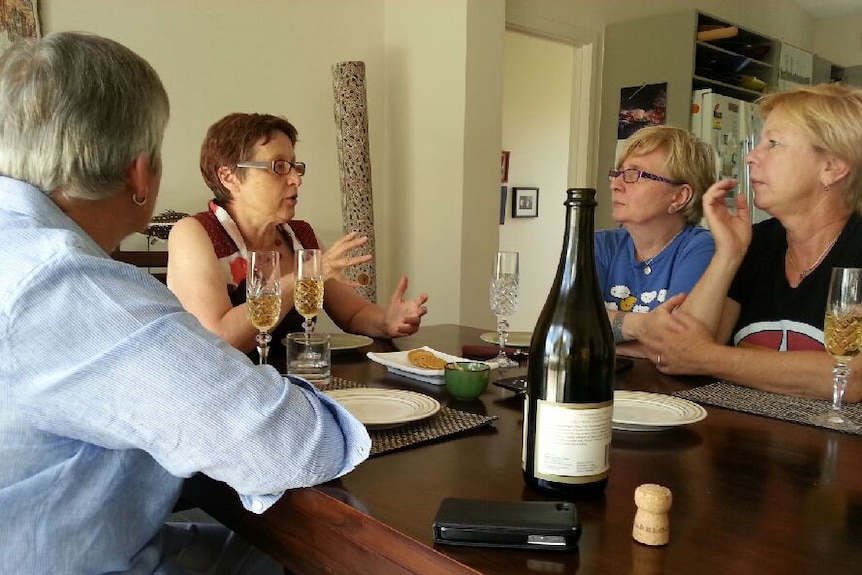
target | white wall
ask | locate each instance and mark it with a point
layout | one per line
(839, 40)
(537, 96)
(782, 19)
(482, 136)
(444, 61)
(424, 141)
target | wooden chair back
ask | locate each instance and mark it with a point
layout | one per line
(155, 261)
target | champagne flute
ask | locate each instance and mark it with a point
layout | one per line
(308, 291)
(504, 299)
(842, 333)
(263, 296)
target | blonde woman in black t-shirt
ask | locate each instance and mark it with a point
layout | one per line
(764, 292)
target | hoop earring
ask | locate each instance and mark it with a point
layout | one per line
(137, 201)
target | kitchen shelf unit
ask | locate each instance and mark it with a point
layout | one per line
(721, 64)
(665, 49)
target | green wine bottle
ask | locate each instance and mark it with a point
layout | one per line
(570, 376)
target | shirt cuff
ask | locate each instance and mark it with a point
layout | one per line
(259, 503)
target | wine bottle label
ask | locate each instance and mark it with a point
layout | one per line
(572, 441)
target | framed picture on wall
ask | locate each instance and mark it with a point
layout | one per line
(525, 202)
(504, 167)
(503, 194)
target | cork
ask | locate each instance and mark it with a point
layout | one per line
(651, 526)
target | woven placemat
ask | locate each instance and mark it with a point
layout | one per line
(445, 422)
(785, 407)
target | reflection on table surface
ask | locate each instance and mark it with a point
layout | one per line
(751, 495)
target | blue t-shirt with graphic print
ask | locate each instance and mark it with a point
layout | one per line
(625, 286)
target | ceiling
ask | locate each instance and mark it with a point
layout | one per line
(820, 9)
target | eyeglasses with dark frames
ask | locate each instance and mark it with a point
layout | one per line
(280, 167)
(631, 176)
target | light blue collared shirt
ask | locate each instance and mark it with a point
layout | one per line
(110, 394)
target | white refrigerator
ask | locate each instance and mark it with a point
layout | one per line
(732, 127)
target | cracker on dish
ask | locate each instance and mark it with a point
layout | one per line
(425, 359)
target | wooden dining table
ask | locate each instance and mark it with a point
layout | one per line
(751, 495)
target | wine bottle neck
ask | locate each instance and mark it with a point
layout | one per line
(578, 243)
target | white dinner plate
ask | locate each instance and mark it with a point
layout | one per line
(644, 411)
(397, 362)
(344, 341)
(514, 339)
(382, 408)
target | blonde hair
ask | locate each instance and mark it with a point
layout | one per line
(689, 160)
(830, 115)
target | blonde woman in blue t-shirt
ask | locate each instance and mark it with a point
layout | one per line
(659, 250)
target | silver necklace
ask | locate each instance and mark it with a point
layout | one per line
(647, 263)
(805, 272)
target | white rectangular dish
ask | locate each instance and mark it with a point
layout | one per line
(397, 362)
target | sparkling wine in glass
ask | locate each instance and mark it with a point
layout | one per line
(842, 332)
(504, 299)
(263, 296)
(308, 291)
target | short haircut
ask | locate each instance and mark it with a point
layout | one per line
(689, 160)
(230, 141)
(77, 109)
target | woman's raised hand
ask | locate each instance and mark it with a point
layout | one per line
(402, 316)
(731, 231)
(338, 258)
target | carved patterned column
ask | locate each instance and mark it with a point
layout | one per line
(354, 163)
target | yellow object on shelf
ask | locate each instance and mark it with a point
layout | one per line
(753, 83)
(708, 35)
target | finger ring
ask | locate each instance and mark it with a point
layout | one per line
(658, 359)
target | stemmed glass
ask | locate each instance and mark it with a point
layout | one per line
(842, 332)
(504, 299)
(308, 291)
(263, 296)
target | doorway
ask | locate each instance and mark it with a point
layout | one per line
(546, 129)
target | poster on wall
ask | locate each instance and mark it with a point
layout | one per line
(795, 67)
(641, 106)
(18, 19)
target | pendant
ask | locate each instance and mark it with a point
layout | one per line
(647, 270)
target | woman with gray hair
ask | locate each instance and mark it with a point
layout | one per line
(106, 393)
(659, 250)
(765, 288)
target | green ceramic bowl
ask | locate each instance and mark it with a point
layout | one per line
(467, 380)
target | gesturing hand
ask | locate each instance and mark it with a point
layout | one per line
(731, 232)
(403, 317)
(337, 258)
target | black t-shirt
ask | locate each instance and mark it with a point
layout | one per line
(773, 314)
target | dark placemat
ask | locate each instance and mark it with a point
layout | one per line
(445, 422)
(741, 398)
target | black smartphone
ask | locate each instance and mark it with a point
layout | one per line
(547, 525)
